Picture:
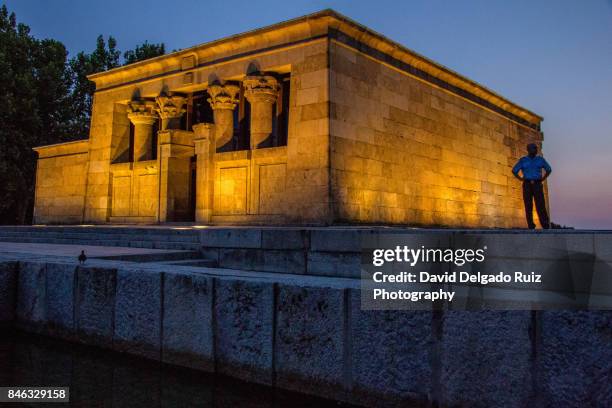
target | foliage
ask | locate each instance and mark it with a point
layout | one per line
(35, 84)
(143, 52)
(103, 58)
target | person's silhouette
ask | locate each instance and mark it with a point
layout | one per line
(531, 167)
(82, 258)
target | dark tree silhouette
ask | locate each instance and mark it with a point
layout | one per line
(104, 57)
(143, 52)
(35, 84)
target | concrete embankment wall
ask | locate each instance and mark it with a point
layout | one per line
(309, 334)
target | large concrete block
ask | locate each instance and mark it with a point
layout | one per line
(282, 261)
(231, 238)
(343, 265)
(486, 359)
(285, 239)
(329, 240)
(138, 313)
(31, 311)
(95, 303)
(603, 246)
(60, 295)
(8, 291)
(575, 359)
(243, 331)
(391, 355)
(187, 321)
(309, 339)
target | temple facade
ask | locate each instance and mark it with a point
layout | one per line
(313, 121)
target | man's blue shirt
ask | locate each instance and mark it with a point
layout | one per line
(531, 168)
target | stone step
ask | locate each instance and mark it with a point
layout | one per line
(96, 242)
(106, 236)
(199, 262)
(174, 258)
(171, 231)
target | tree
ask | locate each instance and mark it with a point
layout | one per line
(143, 52)
(35, 83)
(104, 57)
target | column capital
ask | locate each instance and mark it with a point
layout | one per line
(170, 107)
(223, 96)
(141, 112)
(261, 88)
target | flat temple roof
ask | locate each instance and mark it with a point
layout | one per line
(342, 23)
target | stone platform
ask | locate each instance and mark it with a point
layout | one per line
(300, 329)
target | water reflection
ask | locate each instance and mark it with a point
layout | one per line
(99, 378)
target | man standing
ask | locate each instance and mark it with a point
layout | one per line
(531, 168)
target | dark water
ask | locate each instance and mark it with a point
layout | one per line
(99, 378)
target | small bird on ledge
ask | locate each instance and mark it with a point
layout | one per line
(82, 257)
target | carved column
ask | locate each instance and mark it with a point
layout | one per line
(205, 153)
(170, 110)
(142, 115)
(261, 92)
(223, 99)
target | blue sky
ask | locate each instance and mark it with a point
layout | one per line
(554, 57)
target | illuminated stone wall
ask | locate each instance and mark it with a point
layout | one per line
(134, 192)
(405, 151)
(60, 183)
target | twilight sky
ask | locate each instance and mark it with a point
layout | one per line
(554, 57)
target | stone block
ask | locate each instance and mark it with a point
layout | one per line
(346, 265)
(60, 295)
(31, 311)
(95, 303)
(486, 359)
(391, 355)
(244, 329)
(293, 262)
(325, 240)
(210, 254)
(310, 340)
(285, 239)
(231, 238)
(282, 261)
(138, 313)
(603, 246)
(187, 321)
(575, 359)
(8, 291)
(241, 258)
(307, 96)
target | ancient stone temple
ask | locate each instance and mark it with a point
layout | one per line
(316, 120)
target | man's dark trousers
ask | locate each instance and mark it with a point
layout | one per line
(534, 191)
